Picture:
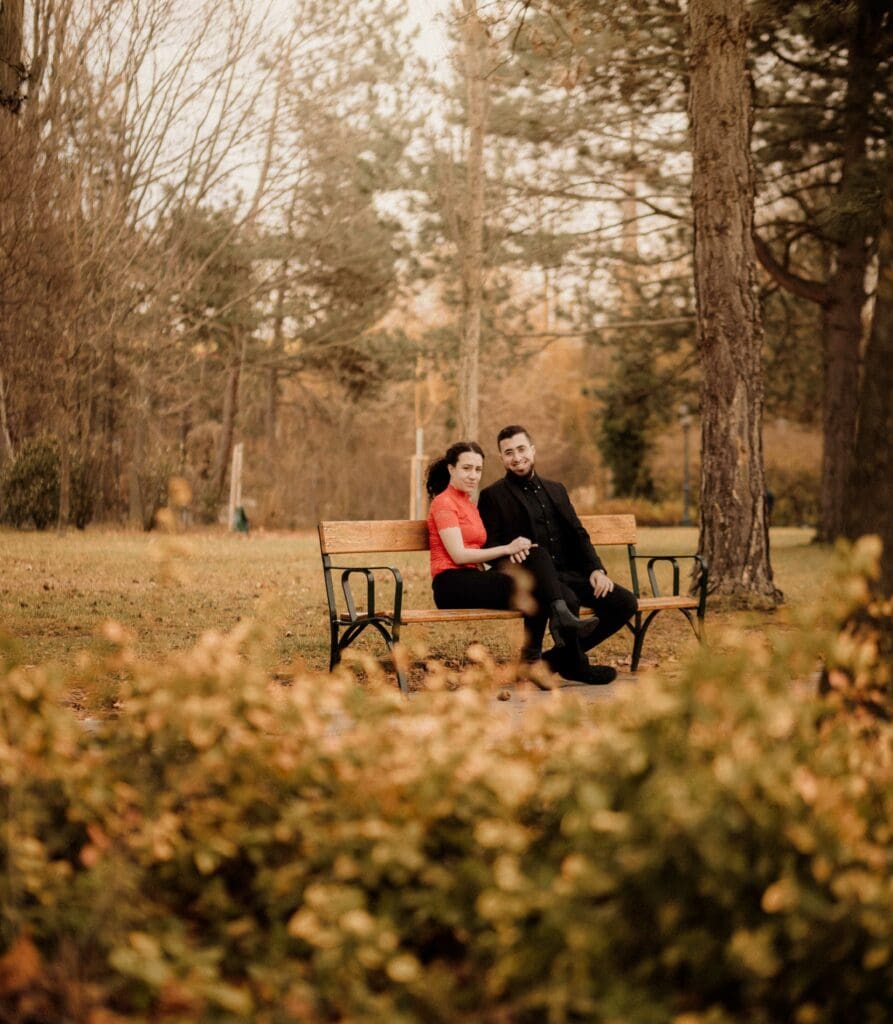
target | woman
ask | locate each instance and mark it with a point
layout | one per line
(456, 537)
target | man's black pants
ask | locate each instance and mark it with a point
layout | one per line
(614, 610)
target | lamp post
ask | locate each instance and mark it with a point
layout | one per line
(685, 421)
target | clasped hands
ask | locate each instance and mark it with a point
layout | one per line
(519, 549)
(599, 580)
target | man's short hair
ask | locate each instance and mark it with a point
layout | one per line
(510, 431)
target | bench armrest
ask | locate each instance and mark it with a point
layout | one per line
(700, 567)
(368, 572)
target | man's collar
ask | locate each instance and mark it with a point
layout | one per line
(521, 481)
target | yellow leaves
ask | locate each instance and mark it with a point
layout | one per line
(806, 784)
(305, 924)
(755, 950)
(357, 922)
(495, 833)
(876, 957)
(179, 492)
(507, 873)
(514, 782)
(20, 966)
(613, 822)
(403, 968)
(780, 896)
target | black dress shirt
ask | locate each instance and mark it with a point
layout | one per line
(543, 516)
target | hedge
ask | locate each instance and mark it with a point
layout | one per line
(715, 848)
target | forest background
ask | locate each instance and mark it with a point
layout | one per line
(281, 225)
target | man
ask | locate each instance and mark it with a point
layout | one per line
(524, 504)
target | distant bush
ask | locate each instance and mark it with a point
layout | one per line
(795, 495)
(649, 513)
(712, 849)
(29, 493)
(29, 489)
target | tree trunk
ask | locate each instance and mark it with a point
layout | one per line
(868, 508)
(734, 535)
(139, 417)
(11, 77)
(228, 424)
(475, 37)
(842, 326)
(271, 410)
(7, 452)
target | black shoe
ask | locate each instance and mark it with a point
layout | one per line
(563, 621)
(568, 662)
(530, 655)
(598, 675)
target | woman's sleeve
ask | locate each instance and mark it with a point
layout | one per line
(444, 518)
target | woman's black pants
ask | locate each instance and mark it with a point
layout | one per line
(506, 586)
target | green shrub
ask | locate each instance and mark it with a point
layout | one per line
(795, 494)
(30, 486)
(649, 513)
(29, 490)
(712, 849)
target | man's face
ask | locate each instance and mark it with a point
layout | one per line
(518, 454)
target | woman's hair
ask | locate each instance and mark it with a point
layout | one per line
(438, 475)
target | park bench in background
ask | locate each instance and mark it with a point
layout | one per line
(389, 537)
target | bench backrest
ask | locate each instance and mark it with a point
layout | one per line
(346, 537)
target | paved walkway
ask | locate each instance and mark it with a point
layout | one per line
(524, 695)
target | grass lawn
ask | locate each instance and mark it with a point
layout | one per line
(57, 591)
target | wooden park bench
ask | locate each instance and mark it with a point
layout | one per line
(394, 536)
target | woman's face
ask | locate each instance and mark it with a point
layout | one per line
(466, 474)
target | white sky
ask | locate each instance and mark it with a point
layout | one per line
(430, 16)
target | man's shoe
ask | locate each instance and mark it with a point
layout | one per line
(563, 621)
(598, 675)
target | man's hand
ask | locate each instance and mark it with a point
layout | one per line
(519, 549)
(601, 583)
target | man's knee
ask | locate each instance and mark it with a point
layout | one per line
(625, 602)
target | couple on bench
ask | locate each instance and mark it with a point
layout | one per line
(543, 562)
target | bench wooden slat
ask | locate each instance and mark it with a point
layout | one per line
(345, 537)
(340, 538)
(411, 616)
(647, 604)
(619, 529)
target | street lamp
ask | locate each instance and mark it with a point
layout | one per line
(685, 421)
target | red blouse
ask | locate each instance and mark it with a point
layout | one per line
(453, 507)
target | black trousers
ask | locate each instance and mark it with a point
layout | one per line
(529, 588)
(614, 610)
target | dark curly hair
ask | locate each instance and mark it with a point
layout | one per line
(437, 476)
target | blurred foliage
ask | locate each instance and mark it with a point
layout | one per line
(715, 849)
(795, 495)
(29, 488)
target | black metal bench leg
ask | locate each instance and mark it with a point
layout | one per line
(334, 649)
(638, 643)
(402, 678)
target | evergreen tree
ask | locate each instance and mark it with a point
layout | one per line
(824, 75)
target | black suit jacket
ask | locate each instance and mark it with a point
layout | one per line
(505, 517)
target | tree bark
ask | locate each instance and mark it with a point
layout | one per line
(474, 35)
(842, 324)
(734, 535)
(868, 508)
(12, 14)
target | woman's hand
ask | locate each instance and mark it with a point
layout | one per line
(518, 549)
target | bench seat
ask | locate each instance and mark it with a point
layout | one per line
(395, 536)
